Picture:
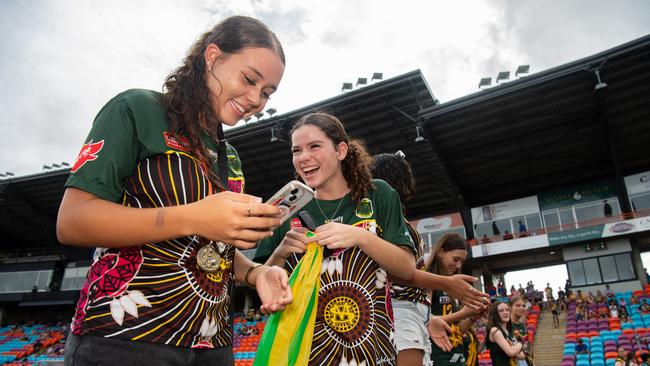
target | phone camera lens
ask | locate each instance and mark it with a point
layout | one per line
(294, 191)
(292, 197)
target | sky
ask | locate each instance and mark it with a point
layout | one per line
(61, 60)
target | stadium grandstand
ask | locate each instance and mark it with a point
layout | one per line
(550, 168)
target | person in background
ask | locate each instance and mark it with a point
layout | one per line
(410, 300)
(504, 348)
(548, 292)
(581, 347)
(446, 259)
(555, 311)
(625, 358)
(522, 229)
(613, 309)
(518, 326)
(600, 298)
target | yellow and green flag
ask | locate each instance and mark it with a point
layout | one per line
(288, 334)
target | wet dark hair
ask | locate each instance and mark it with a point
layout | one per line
(185, 93)
(356, 165)
(447, 242)
(397, 172)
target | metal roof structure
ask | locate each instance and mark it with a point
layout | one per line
(549, 130)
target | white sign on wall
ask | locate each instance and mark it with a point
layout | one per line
(505, 210)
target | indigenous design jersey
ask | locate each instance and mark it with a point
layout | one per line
(407, 293)
(354, 322)
(442, 304)
(154, 292)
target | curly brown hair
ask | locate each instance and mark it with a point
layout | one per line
(356, 165)
(397, 172)
(185, 92)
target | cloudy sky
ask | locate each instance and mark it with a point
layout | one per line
(61, 60)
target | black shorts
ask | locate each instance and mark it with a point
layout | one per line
(94, 350)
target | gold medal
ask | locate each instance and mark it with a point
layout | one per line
(208, 258)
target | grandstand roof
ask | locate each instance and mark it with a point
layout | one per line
(541, 132)
(548, 130)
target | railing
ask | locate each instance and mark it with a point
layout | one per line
(563, 227)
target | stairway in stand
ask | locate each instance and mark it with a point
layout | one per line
(549, 341)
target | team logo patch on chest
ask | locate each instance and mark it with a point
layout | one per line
(177, 142)
(364, 211)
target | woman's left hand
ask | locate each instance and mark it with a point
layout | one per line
(336, 236)
(273, 289)
(439, 333)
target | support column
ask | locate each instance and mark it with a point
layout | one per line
(476, 272)
(638, 265)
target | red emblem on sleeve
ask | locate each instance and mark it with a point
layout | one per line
(88, 153)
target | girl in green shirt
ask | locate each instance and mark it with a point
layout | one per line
(361, 225)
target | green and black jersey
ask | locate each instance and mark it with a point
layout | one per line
(409, 293)
(354, 322)
(442, 304)
(154, 292)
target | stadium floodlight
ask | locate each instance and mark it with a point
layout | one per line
(522, 70)
(63, 163)
(274, 138)
(346, 87)
(259, 115)
(503, 77)
(376, 76)
(485, 83)
(271, 111)
(601, 84)
(47, 167)
(419, 137)
(362, 82)
(247, 119)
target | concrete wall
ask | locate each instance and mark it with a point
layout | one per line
(613, 247)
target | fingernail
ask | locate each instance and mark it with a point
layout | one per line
(257, 199)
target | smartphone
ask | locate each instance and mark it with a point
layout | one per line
(291, 198)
